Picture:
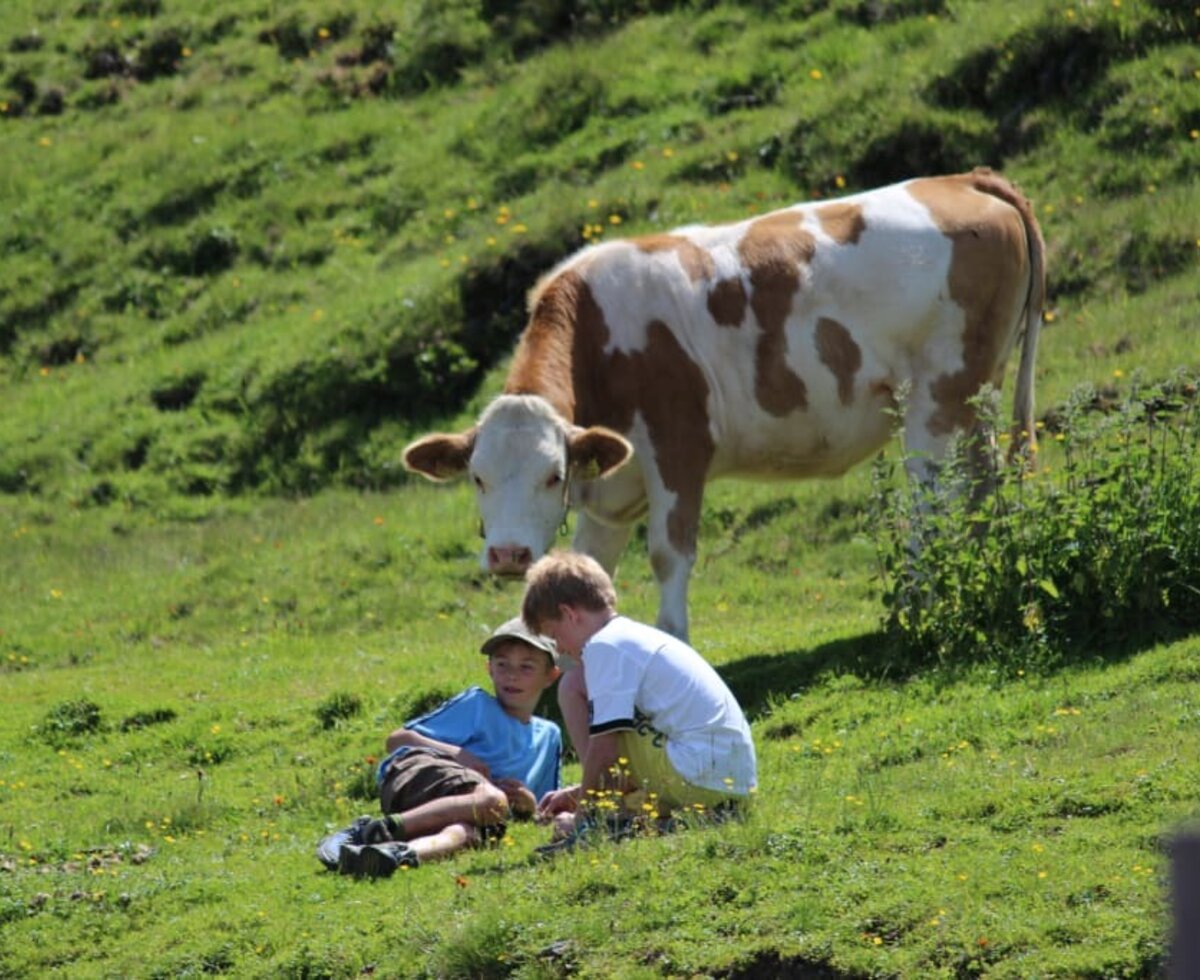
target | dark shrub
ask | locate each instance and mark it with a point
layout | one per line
(160, 56)
(105, 61)
(926, 146)
(70, 720)
(748, 91)
(140, 8)
(446, 36)
(337, 708)
(177, 393)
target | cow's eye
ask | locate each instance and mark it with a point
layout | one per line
(479, 484)
(552, 481)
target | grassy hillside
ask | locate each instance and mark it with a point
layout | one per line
(251, 248)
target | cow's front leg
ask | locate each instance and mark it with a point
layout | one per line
(604, 542)
(671, 537)
(608, 510)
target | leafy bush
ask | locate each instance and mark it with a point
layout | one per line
(337, 708)
(211, 753)
(361, 783)
(442, 39)
(1104, 553)
(70, 720)
(931, 144)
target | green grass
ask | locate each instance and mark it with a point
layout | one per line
(237, 280)
(952, 821)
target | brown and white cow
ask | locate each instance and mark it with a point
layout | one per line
(768, 348)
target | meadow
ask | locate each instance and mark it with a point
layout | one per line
(251, 250)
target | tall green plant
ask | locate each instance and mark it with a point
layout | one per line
(1099, 553)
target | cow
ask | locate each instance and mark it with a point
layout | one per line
(776, 347)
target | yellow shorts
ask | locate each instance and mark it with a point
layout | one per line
(658, 784)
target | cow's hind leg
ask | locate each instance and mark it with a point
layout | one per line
(927, 442)
(982, 463)
(933, 481)
(928, 452)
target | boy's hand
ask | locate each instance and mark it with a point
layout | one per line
(564, 800)
(472, 761)
(520, 797)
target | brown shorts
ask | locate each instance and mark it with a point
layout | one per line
(421, 775)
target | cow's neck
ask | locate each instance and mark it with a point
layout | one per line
(542, 364)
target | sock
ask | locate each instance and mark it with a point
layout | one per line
(383, 829)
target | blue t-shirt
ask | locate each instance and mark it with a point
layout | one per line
(475, 721)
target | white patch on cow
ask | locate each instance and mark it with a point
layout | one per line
(673, 585)
(626, 288)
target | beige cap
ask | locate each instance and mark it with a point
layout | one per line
(515, 629)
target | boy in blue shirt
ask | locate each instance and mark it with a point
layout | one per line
(453, 776)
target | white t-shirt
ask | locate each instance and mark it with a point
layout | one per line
(637, 675)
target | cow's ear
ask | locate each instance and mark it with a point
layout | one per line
(440, 456)
(596, 452)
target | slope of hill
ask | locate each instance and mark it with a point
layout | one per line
(251, 247)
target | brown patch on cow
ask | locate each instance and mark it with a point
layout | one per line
(727, 302)
(989, 268)
(775, 249)
(696, 262)
(663, 385)
(542, 361)
(844, 223)
(440, 456)
(840, 354)
(884, 390)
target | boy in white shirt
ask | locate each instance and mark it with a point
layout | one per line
(653, 702)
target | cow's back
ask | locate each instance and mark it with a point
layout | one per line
(774, 344)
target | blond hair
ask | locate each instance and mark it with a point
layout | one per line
(565, 578)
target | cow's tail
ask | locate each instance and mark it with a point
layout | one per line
(1024, 434)
(1024, 440)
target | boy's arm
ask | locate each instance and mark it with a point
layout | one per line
(601, 756)
(415, 740)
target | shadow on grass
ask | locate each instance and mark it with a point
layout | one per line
(759, 680)
(879, 658)
(770, 964)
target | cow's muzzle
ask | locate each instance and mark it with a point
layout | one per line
(509, 559)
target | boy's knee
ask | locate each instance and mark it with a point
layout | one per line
(490, 804)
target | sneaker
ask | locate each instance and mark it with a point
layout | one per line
(589, 831)
(376, 860)
(586, 833)
(564, 845)
(330, 847)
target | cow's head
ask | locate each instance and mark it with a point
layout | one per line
(521, 456)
